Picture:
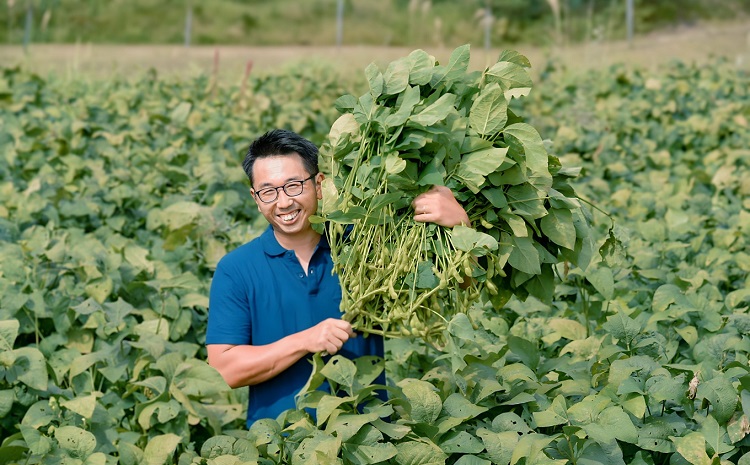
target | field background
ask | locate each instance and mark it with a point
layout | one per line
(120, 189)
(86, 39)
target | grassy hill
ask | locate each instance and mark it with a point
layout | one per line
(313, 22)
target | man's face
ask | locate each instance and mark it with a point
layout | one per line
(289, 216)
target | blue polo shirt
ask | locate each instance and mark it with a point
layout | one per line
(260, 294)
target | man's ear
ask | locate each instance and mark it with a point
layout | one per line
(255, 199)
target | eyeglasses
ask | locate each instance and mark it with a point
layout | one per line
(291, 189)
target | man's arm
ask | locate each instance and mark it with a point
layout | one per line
(244, 365)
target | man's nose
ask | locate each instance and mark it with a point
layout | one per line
(284, 200)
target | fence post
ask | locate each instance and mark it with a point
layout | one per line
(629, 19)
(188, 24)
(339, 23)
(487, 26)
(27, 27)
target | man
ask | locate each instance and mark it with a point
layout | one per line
(274, 301)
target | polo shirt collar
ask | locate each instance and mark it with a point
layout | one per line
(272, 247)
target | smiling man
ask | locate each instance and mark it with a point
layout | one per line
(275, 301)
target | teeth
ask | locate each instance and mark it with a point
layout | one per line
(290, 216)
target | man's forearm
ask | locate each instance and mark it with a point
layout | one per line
(245, 365)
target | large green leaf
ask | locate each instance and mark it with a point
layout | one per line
(31, 367)
(457, 65)
(419, 453)
(396, 76)
(510, 76)
(475, 166)
(425, 403)
(693, 448)
(160, 449)
(489, 112)
(533, 147)
(78, 442)
(722, 395)
(558, 226)
(437, 111)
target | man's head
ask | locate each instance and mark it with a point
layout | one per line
(283, 170)
(280, 142)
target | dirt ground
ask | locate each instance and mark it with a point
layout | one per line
(691, 44)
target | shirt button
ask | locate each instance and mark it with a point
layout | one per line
(302, 275)
(312, 271)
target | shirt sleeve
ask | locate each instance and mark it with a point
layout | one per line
(229, 313)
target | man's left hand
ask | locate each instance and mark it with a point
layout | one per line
(439, 206)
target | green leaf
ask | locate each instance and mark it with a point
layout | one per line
(341, 370)
(425, 403)
(392, 430)
(458, 406)
(318, 449)
(533, 147)
(664, 296)
(523, 256)
(82, 405)
(514, 57)
(489, 112)
(527, 201)
(722, 395)
(421, 67)
(558, 226)
(419, 453)
(531, 446)
(461, 442)
(160, 448)
(37, 443)
(7, 397)
(396, 76)
(525, 350)
(499, 445)
(342, 129)
(327, 405)
(347, 425)
(470, 240)
(368, 369)
(32, 367)
(475, 166)
(410, 100)
(693, 448)
(435, 112)
(8, 334)
(456, 68)
(556, 414)
(511, 77)
(375, 80)
(369, 454)
(394, 164)
(716, 436)
(602, 280)
(78, 442)
(622, 327)
(181, 112)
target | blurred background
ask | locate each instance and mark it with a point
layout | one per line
(105, 36)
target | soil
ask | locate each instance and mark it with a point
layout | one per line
(695, 43)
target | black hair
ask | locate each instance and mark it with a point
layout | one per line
(281, 142)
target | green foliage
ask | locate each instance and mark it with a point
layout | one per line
(422, 124)
(313, 22)
(116, 198)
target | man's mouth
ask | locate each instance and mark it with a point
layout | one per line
(289, 217)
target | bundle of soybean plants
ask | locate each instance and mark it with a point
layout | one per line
(421, 124)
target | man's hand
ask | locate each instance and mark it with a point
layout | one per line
(328, 336)
(439, 206)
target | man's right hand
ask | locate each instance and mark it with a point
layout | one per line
(328, 336)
